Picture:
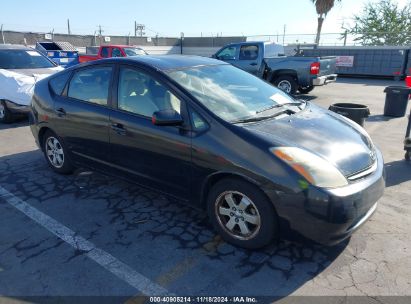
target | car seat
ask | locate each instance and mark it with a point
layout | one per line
(137, 99)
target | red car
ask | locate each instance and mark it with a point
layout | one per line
(107, 51)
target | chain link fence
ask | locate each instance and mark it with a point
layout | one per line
(327, 39)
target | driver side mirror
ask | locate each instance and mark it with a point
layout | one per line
(167, 118)
(214, 56)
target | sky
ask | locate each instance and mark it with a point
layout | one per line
(170, 18)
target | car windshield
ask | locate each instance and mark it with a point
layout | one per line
(134, 52)
(229, 92)
(23, 59)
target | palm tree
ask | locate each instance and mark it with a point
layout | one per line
(323, 7)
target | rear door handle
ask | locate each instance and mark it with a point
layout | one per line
(61, 112)
(253, 64)
(119, 129)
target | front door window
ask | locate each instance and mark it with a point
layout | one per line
(140, 94)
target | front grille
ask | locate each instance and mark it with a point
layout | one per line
(363, 173)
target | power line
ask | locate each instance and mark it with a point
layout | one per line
(100, 31)
(139, 29)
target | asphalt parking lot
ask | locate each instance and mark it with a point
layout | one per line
(94, 235)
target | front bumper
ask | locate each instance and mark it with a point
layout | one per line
(16, 108)
(322, 80)
(328, 216)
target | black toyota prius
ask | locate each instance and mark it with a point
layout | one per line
(258, 161)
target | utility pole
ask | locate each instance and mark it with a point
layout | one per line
(285, 27)
(100, 34)
(68, 27)
(100, 31)
(345, 37)
(139, 29)
(181, 42)
(2, 34)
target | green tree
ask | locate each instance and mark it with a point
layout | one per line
(383, 23)
(323, 7)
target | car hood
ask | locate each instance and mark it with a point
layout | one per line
(17, 85)
(333, 137)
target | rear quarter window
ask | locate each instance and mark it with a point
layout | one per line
(58, 83)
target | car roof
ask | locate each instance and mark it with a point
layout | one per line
(244, 43)
(14, 47)
(171, 62)
(120, 45)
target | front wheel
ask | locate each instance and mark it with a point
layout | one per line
(5, 115)
(286, 84)
(242, 214)
(306, 90)
(56, 154)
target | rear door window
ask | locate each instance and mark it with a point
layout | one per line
(116, 52)
(91, 85)
(248, 52)
(105, 52)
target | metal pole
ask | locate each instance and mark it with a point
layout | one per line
(68, 27)
(100, 31)
(345, 37)
(135, 28)
(285, 27)
(181, 42)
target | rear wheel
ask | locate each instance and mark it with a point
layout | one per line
(306, 90)
(408, 155)
(286, 84)
(242, 214)
(5, 115)
(56, 153)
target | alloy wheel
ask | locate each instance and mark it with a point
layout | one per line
(238, 215)
(2, 111)
(285, 86)
(54, 151)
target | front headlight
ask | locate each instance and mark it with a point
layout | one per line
(316, 170)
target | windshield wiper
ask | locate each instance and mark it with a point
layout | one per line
(281, 105)
(269, 108)
(259, 118)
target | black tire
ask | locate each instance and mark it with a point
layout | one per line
(407, 156)
(63, 167)
(306, 90)
(286, 84)
(260, 235)
(5, 115)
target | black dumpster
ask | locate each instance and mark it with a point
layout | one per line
(353, 111)
(396, 101)
(407, 141)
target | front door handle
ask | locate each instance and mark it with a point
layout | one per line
(253, 64)
(119, 129)
(61, 112)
